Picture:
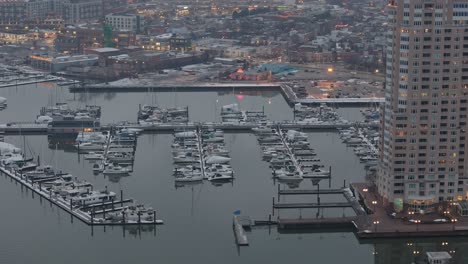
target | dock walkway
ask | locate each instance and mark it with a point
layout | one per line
(30, 127)
(65, 205)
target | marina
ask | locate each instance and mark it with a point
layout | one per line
(237, 149)
(71, 195)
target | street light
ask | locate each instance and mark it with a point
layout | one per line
(417, 224)
(330, 69)
(375, 225)
(454, 220)
(374, 203)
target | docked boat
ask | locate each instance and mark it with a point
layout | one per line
(287, 175)
(217, 159)
(318, 172)
(92, 197)
(189, 177)
(119, 157)
(214, 140)
(40, 172)
(188, 157)
(87, 146)
(188, 134)
(98, 167)
(220, 177)
(131, 130)
(115, 170)
(133, 213)
(262, 130)
(94, 156)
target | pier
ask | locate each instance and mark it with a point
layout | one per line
(291, 97)
(33, 128)
(316, 223)
(238, 224)
(310, 205)
(285, 89)
(67, 205)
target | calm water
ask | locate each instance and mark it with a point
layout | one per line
(198, 227)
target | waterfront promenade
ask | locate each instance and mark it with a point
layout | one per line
(405, 224)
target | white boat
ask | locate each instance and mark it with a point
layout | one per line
(95, 137)
(43, 119)
(220, 177)
(186, 169)
(93, 197)
(133, 214)
(98, 167)
(189, 177)
(318, 172)
(353, 140)
(115, 170)
(131, 130)
(368, 158)
(217, 159)
(94, 156)
(187, 157)
(40, 172)
(188, 134)
(288, 176)
(222, 169)
(119, 156)
(89, 146)
(261, 130)
(214, 140)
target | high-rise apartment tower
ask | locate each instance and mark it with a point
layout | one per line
(424, 138)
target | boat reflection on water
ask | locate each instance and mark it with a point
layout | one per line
(290, 184)
(65, 142)
(222, 183)
(115, 178)
(178, 185)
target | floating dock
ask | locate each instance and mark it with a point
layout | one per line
(78, 212)
(309, 223)
(238, 224)
(33, 128)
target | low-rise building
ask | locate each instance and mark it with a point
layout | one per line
(126, 22)
(61, 63)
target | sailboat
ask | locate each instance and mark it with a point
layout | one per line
(26, 164)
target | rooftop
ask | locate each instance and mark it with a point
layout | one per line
(103, 50)
(440, 255)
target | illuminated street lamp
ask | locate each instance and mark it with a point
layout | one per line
(375, 225)
(417, 224)
(330, 70)
(454, 220)
(374, 203)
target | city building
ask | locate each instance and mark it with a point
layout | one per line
(126, 22)
(426, 100)
(77, 11)
(37, 9)
(12, 12)
(63, 62)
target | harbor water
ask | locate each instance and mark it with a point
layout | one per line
(198, 218)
